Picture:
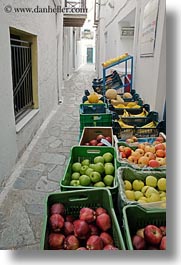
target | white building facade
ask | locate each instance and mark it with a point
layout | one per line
(44, 33)
(149, 78)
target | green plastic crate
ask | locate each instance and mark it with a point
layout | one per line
(78, 154)
(95, 120)
(136, 217)
(73, 202)
(125, 162)
(126, 173)
(93, 108)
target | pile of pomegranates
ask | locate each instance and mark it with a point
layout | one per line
(91, 230)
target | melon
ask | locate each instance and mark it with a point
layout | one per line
(127, 95)
(93, 98)
(111, 93)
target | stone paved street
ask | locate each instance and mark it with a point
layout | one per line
(41, 167)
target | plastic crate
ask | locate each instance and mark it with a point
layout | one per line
(133, 111)
(78, 154)
(136, 217)
(93, 108)
(122, 161)
(73, 202)
(95, 120)
(126, 173)
(140, 121)
(125, 133)
(90, 133)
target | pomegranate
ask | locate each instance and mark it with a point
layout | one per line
(103, 221)
(81, 229)
(56, 241)
(87, 214)
(68, 228)
(81, 248)
(94, 243)
(57, 208)
(106, 238)
(71, 243)
(100, 210)
(93, 229)
(110, 247)
(69, 218)
(138, 242)
(56, 222)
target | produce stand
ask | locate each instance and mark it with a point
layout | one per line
(123, 76)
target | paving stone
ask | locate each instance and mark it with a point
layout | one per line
(27, 179)
(18, 231)
(45, 185)
(57, 173)
(48, 158)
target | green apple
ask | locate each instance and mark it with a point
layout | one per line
(108, 180)
(144, 189)
(154, 197)
(92, 166)
(151, 181)
(162, 184)
(83, 169)
(142, 200)
(137, 184)
(76, 167)
(89, 171)
(130, 195)
(150, 191)
(162, 194)
(95, 176)
(109, 169)
(163, 198)
(75, 175)
(84, 180)
(74, 182)
(108, 157)
(138, 195)
(98, 159)
(127, 185)
(85, 162)
(99, 184)
(99, 167)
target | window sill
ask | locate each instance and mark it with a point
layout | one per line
(21, 124)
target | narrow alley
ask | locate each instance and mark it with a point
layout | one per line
(41, 167)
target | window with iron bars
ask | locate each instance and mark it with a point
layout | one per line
(21, 59)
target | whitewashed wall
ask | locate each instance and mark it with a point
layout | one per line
(48, 29)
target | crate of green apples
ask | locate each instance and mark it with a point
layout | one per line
(91, 167)
(147, 188)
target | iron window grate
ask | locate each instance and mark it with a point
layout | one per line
(22, 76)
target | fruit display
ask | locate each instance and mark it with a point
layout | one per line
(126, 114)
(93, 98)
(97, 173)
(150, 237)
(81, 220)
(91, 230)
(143, 154)
(97, 136)
(114, 60)
(144, 229)
(91, 168)
(142, 187)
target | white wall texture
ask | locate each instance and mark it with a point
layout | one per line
(47, 28)
(149, 73)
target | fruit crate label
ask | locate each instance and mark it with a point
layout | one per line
(104, 141)
(96, 118)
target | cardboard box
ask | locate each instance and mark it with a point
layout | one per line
(90, 133)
